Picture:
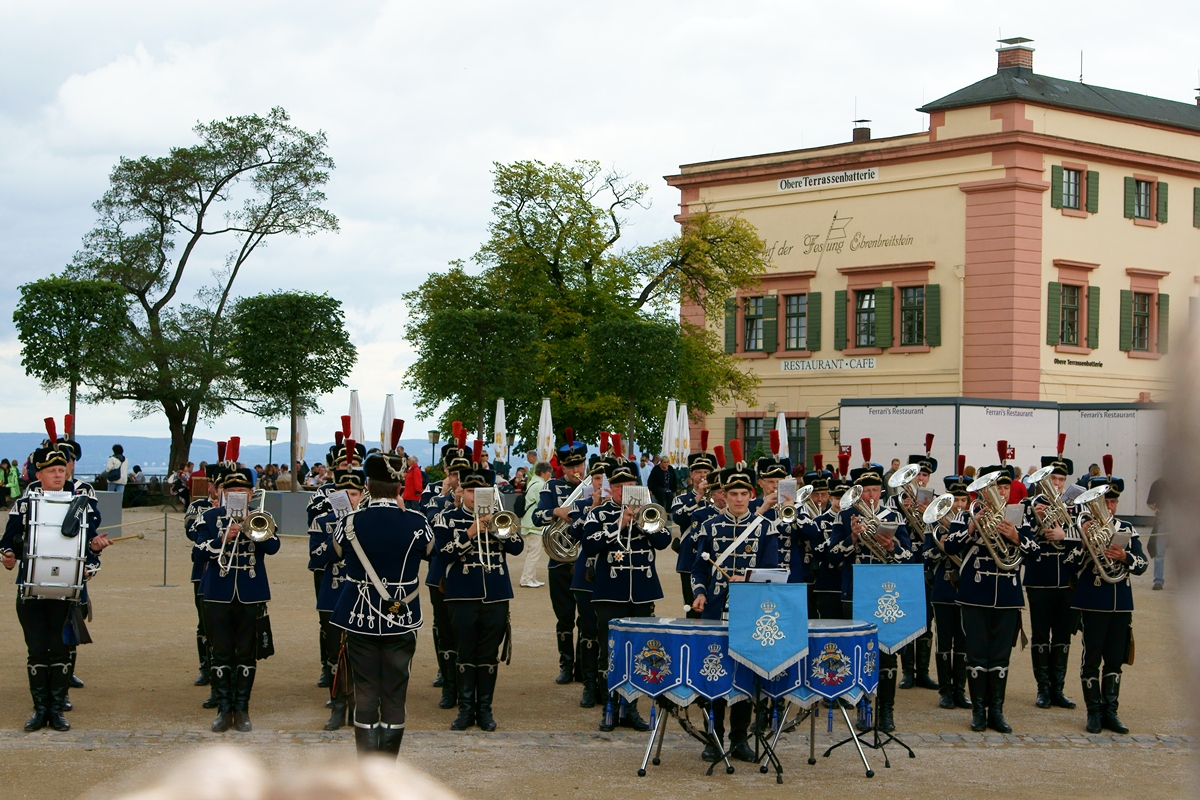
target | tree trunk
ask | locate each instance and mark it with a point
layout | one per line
(180, 442)
(292, 451)
(74, 394)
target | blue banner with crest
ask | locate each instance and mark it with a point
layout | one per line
(768, 625)
(893, 597)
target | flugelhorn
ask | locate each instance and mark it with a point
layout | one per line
(1099, 536)
(1004, 553)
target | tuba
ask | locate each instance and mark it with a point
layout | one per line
(1099, 536)
(853, 498)
(558, 543)
(1057, 513)
(903, 481)
(1004, 553)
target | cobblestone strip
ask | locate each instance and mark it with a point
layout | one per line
(94, 740)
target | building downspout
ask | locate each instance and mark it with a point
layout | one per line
(960, 273)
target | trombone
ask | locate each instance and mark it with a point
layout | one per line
(257, 526)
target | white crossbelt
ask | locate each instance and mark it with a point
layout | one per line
(379, 585)
(751, 528)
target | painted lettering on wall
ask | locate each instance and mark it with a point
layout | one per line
(813, 364)
(827, 180)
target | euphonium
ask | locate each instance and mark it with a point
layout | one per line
(558, 543)
(1004, 553)
(938, 513)
(904, 481)
(1057, 513)
(1099, 536)
(804, 500)
(853, 498)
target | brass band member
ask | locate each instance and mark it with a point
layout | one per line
(951, 640)
(441, 497)
(825, 591)
(914, 659)
(700, 466)
(191, 519)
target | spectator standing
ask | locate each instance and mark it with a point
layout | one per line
(1158, 536)
(663, 483)
(116, 469)
(889, 491)
(532, 533)
(5, 485)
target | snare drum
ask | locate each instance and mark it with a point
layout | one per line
(54, 563)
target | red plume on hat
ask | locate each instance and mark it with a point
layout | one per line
(234, 449)
(962, 465)
(719, 452)
(1002, 449)
(865, 443)
(1107, 460)
(1062, 444)
(570, 434)
(351, 451)
(476, 451)
(844, 461)
(704, 441)
(69, 426)
(51, 430)
(345, 426)
(735, 452)
(774, 436)
(818, 462)
(461, 436)
(338, 438)
(603, 443)
(397, 429)
(618, 451)
(221, 451)
(928, 443)
(455, 427)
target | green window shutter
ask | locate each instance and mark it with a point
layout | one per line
(1093, 336)
(814, 320)
(1196, 207)
(1126, 326)
(730, 325)
(1164, 322)
(731, 430)
(883, 316)
(1053, 312)
(933, 315)
(1056, 186)
(839, 319)
(1161, 212)
(812, 439)
(1130, 191)
(1093, 191)
(770, 324)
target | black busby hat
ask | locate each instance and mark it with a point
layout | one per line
(1062, 466)
(573, 452)
(927, 463)
(773, 466)
(739, 474)
(599, 465)
(619, 469)
(837, 487)
(818, 480)
(697, 461)
(1006, 477)
(380, 467)
(870, 475)
(957, 485)
(1115, 485)
(475, 476)
(350, 479)
(235, 479)
(51, 454)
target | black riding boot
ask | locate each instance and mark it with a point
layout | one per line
(566, 658)
(1058, 676)
(222, 691)
(448, 669)
(908, 659)
(612, 710)
(365, 739)
(945, 674)
(587, 662)
(337, 718)
(959, 666)
(997, 683)
(1110, 689)
(1041, 673)
(887, 700)
(202, 650)
(75, 682)
(466, 698)
(977, 682)
(630, 718)
(60, 682)
(924, 647)
(389, 740)
(485, 690)
(39, 690)
(1093, 698)
(579, 660)
(244, 684)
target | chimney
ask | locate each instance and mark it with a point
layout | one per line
(861, 132)
(1015, 54)
(1198, 96)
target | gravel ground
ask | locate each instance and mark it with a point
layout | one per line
(139, 713)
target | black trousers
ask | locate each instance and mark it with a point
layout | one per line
(828, 605)
(1051, 617)
(606, 612)
(989, 635)
(231, 632)
(380, 666)
(587, 617)
(562, 600)
(685, 579)
(42, 623)
(199, 593)
(478, 630)
(331, 639)
(322, 641)
(739, 719)
(950, 635)
(1105, 639)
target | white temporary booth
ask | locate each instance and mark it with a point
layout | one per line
(1132, 432)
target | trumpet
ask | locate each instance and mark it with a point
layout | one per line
(1057, 513)
(557, 542)
(853, 499)
(1004, 553)
(257, 525)
(904, 482)
(1099, 536)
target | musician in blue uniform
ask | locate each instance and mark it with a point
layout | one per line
(1104, 599)
(436, 495)
(191, 518)
(382, 546)
(444, 498)
(951, 640)
(478, 588)
(552, 505)
(700, 465)
(728, 546)
(851, 543)
(626, 577)
(1047, 582)
(236, 591)
(990, 600)
(324, 555)
(583, 576)
(825, 590)
(914, 658)
(799, 539)
(44, 620)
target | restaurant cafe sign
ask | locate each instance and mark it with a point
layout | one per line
(826, 364)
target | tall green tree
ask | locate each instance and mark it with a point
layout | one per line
(554, 255)
(248, 179)
(70, 331)
(289, 348)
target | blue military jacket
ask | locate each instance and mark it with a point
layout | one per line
(760, 550)
(945, 571)
(437, 563)
(625, 569)
(1048, 568)
(826, 570)
(798, 542)
(395, 542)
(322, 554)
(1095, 594)
(687, 544)
(843, 550)
(191, 518)
(16, 530)
(584, 569)
(682, 509)
(316, 504)
(553, 495)
(476, 569)
(245, 579)
(981, 582)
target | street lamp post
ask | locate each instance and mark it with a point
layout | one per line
(434, 437)
(272, 435)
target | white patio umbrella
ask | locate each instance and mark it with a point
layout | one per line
(668, 449)
(683, 434)
(500, 442)
(781, 426)
(385, 427)
(301, 436)
(545, 442)
(357, 432)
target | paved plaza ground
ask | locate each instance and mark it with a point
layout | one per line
(140, 714)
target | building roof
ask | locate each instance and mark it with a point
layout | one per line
(1018, 83)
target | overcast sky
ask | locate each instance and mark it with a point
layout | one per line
(419, 99)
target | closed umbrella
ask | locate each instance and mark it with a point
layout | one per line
(781, 426)
(357, 432)
(668, 449)
(301, 436)
(385, 427)
(545, 443)
(500, 443)
(683, 434)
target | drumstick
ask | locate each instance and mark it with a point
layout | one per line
(708, 558)
(130, 536)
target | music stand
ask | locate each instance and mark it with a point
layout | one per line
(665, 707)
(853, 737)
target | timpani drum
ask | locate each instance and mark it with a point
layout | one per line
(54, 559)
